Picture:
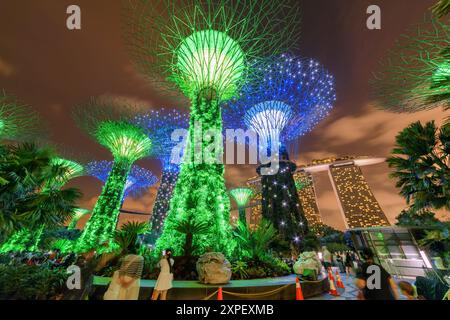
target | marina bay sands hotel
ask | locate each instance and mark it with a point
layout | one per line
(356, 202)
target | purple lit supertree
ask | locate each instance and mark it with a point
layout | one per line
(293, 96)
(138, 180)
(159, 125)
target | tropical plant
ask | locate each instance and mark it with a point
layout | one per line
(421, 166)
(191, 228)
(23, 282)
(254, 244)
(126, 238)
(24, 202)
(419, 218)
(239, 268)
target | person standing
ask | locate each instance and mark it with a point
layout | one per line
(348, 261)
(327, 258)
(374, 281)
(125, 283)
(165, 278)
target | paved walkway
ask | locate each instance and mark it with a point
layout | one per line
(351, 292)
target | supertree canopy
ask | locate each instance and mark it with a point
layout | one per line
(242, 196)
(139, 179)
(108, 122)
(204, 49)
(415, 75)
(293, 96)
(159, 125)
(17, 121)
(79, 213)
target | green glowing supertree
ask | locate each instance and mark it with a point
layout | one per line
(107, 121)
(205, 49)
(17, 121)
(242, 196)
(79, 213)
(415, 75)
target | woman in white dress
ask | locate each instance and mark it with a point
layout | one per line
(126, 281)
(165, 277)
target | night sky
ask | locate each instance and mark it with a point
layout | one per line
(53, 69)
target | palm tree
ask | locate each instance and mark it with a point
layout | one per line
(421, 165)
(128, 234)
(190, 228)
(255, 244)
(24, 200)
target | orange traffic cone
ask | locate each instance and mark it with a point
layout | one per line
(339, 282)
(333, 290)
(330, 274)
(219, 294)
(298, 290)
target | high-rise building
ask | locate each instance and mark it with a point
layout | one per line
(357, 202)
(307, 194)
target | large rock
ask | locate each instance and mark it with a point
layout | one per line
(213, 268)
(308, 265)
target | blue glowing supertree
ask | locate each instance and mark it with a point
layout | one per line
(160, 125)
(291, 98)
(138, 180)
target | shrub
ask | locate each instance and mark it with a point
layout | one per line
(23, 282)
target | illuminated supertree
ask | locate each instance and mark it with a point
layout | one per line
(107, 121)
(294, 95)
(160, 125)
(242, 196)
(79, 213)
(203, 48)
(139, 179)
(17, 121)
(415, 75)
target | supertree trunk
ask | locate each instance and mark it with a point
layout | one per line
(200, 193)
(280, 203)
(242, 215)
(162, 202)
(103, 222)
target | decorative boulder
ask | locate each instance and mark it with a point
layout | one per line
(213, 268)
(308, 265)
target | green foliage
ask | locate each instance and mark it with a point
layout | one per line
(103, 221)
(24, 202)
(199, 194)
(421, 167)
(191, 228)
(422, 218)
(239, 269)
(22, 282)
(432, 286)
(63, 245)
(337, 247)
(127, 236)
(254, 244)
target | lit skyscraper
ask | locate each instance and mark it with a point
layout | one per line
(356, 201)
